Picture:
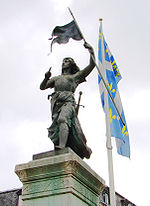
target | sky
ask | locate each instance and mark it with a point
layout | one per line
(25, 27)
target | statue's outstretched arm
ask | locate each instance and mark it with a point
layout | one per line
(47, 82)
(87, 70)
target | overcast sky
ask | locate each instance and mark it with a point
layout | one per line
(25, 26)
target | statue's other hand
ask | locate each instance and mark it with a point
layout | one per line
(48, 74)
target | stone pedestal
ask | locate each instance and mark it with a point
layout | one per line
(59, 179)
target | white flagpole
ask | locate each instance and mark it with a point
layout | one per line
(108, 134)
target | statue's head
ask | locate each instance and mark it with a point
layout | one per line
(69, 66)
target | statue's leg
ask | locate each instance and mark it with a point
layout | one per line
(64, 115)
(63, 134)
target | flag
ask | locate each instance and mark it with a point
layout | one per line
(109, 69)
(62, 34)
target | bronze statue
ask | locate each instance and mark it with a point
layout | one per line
(65, 130)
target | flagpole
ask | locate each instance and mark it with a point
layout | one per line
(98, 69)
(76, 24)
(108, 135)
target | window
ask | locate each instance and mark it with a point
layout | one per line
(106, 198)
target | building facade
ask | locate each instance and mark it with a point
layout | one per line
(104, 199)
(12, 198)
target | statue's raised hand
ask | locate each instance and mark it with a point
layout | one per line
(89, 47)
(48, 74)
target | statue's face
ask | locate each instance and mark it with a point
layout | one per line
(66, 65)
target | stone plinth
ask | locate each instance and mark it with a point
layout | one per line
(59, 179)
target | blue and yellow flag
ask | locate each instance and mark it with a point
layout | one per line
(108, 68)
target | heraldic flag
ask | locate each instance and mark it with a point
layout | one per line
(62, 34)
(109, 69)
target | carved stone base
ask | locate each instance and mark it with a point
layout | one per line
(61, 179)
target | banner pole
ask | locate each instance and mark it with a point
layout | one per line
(76, 24)
(97, 68)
